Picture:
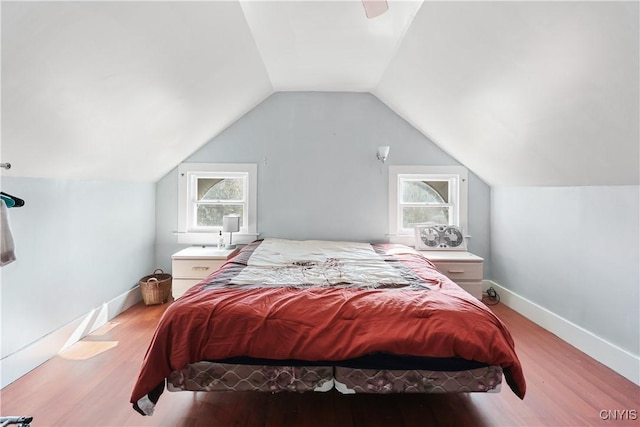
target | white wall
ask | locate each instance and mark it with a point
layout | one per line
(574, 251)
(79, 244)
(321, 178)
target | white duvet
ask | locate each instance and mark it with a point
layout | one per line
(279, 262)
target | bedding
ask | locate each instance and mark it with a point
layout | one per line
(308, 301)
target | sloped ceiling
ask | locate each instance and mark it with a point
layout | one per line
(122, 90)
(523, 93)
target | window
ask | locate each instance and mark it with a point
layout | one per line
(419, 194)
(207, 192)
(425, 198)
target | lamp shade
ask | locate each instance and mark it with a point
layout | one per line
(231, 223)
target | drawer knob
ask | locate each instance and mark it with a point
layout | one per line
(455, 271)
(196, 268)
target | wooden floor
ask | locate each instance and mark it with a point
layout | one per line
(90, 384)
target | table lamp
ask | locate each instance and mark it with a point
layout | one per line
(231, 224)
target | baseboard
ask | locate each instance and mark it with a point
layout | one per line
(30, 357)
(616, 358)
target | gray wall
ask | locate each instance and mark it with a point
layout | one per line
(573, 251)
(321, 178)
(78, 244)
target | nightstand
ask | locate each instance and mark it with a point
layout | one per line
(191, 265)
(462, 267)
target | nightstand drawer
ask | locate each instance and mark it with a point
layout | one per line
(460, 270)
(195, 268)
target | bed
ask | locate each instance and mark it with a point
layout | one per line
(285, 315)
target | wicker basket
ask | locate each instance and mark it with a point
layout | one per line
(156, 288)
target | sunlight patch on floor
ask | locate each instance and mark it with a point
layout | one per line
(95, 319)
(104, 329)
(83, 350)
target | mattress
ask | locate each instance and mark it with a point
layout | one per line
(331, 302)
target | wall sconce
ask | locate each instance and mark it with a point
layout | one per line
(230, 224)
(383, 153)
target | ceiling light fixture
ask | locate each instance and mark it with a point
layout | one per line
(374, 8)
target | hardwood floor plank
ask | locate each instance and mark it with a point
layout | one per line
(439, 410)
(326, 409)
(90, 384)
(375, 410)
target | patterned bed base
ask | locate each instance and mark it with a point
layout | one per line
(211, 376)
(348, 380)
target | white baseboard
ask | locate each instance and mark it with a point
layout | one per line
(616, 358)
(30, 357)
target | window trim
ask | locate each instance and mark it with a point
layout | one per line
(457, 173)
(189, 173)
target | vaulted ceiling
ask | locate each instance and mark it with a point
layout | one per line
(523, 93)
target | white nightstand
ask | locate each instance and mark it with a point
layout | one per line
(191, 265)
(462, 267)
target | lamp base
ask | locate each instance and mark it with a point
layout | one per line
(230, 247)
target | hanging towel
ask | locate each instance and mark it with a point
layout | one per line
(7, 247)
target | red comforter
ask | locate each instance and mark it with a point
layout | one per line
(214, 321)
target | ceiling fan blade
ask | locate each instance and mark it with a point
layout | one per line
(373, 8)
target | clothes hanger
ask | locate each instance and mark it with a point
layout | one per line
(8, 198)
(8, 201)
